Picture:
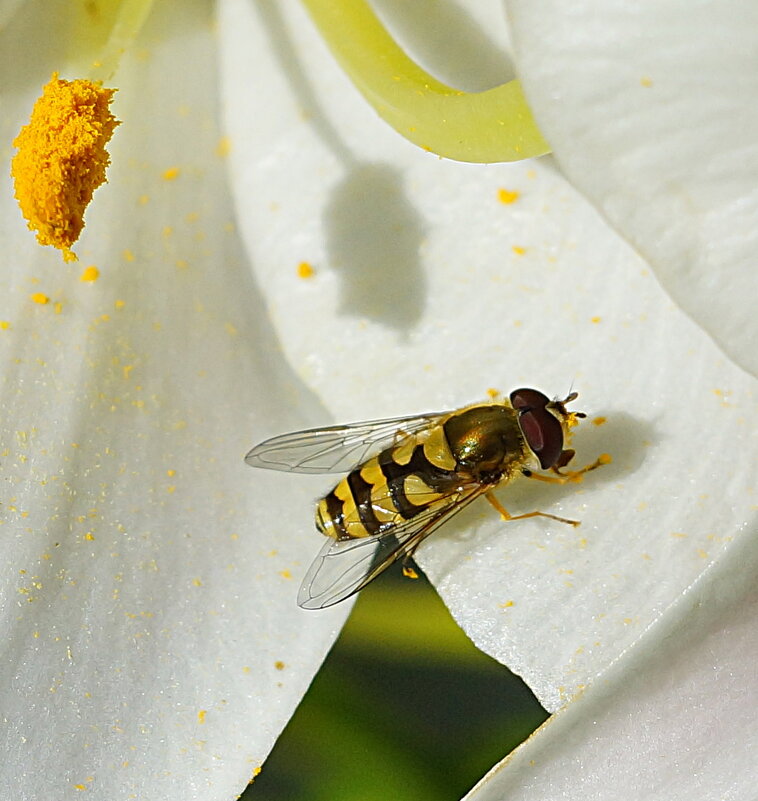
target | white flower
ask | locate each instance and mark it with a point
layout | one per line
(152, 647)
(145, 635)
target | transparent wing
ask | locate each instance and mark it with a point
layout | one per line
(344, 567)
(335, 449)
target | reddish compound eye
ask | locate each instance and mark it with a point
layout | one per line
(525, 399)
(540, 428)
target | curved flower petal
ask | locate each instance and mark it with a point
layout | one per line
(152, 647)
(673, 720)
(428, 290)
(651, 113)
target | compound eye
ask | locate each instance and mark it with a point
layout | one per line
(524, 399)
(541, 430)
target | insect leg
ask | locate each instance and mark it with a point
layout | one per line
(506, 515)
(572, 475)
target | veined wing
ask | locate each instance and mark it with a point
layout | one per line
(344, 567)
(335, 449)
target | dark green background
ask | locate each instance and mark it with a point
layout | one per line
(404, 708)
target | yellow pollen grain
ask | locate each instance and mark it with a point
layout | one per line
(90, 273)
(493, 393)
(646, 81)
(143, 200)
(305, 270)
(201, 715)
(507, 196)
(595, 319)
(279, 665)
(61, 159)
(127, 254)
(89, 536)
(4, 325)
(170, 473)
(223, 147)
(170, 174)
(518, 250)
(40, 297)
(285, 574)
(119, 304)
(599, 421)
(58, 307)
(506, 604)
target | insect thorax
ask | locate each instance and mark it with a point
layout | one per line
(486, 441)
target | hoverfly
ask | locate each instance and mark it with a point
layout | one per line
(406, 476)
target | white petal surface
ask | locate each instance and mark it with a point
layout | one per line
(675, 721)
(651, 112)
(152, 647)
(428, 291)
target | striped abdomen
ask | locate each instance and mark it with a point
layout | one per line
(393, 486)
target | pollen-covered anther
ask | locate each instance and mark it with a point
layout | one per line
(61, 159)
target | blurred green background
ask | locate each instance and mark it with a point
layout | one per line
(404, 708)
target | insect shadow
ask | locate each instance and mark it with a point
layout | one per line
(623, 436)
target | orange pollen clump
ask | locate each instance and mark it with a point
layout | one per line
(61, 159)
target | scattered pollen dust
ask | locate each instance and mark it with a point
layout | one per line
(90, 274)
(507, 196)
(305, 270)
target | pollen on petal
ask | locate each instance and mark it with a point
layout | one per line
(61, 159)
(90, 273)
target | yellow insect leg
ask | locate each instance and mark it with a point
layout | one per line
(506, 515)
(571, 475)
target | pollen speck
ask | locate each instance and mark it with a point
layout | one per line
(279, 665)
(305, 270)
(201, 715)
(223, 146)
(61, 159)
(40, 297)
(599, 420)
(507, 196)
(90, 273)
(171, 174)
(4, 325)
(518, 250)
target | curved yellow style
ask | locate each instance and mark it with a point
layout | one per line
(490, 126)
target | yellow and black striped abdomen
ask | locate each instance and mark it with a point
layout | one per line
(393, 486)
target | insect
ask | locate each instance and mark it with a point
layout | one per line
(406, 476)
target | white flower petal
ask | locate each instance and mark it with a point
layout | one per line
(675, 720)
(420, 302)
(152, 647)
(650, 110)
